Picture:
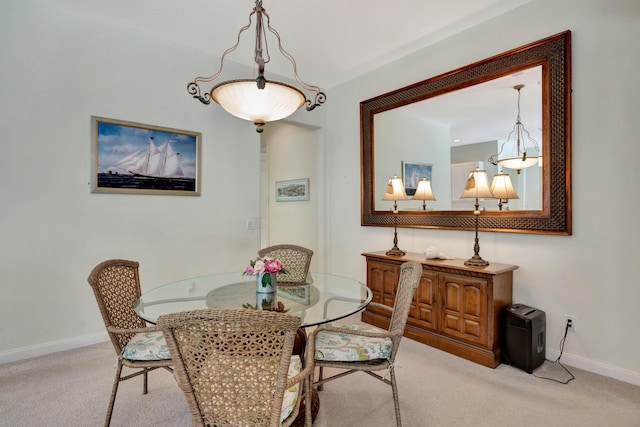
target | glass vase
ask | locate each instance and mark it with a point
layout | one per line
(266, 285)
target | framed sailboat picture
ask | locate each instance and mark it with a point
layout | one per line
(144, 159)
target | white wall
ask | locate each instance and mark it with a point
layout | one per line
(292, 153)
(58, 69)
(591, 274)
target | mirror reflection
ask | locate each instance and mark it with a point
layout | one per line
(445, 137)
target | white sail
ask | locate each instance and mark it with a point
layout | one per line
(133, 163)
(172, 163)
(156, 161)
(140, 164)
(156, 157)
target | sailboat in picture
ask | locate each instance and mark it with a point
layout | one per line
(154, 162)
(151, 168)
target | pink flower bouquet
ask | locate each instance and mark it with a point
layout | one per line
(265, 265)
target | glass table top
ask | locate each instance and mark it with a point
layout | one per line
(323, 299)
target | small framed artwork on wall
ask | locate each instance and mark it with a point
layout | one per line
(135, 158)
(293, 190)
(413, 172)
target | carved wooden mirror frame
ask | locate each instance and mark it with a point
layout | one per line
(554, 55)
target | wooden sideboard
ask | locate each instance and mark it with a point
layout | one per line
(456, 308)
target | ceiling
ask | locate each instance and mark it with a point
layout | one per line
(331, 40)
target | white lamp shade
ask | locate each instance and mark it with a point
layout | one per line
(395, 190)
(243, 99)
(424, 192)
(477, 186)
(502, 188)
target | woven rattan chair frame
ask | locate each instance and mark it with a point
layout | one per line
(410, 273)
(116, 285)
(232, 365)
(295, 260)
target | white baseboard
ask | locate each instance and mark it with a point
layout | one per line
(51, 347)
(595, 367)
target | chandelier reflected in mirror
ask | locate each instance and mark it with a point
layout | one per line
(259, 99)
(518, 158)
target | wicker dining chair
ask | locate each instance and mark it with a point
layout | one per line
(295, 260)
(235, 366)
(353, 348)
(116, 285)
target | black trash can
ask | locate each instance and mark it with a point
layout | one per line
(523, 336)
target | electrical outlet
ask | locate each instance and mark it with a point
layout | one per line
(572, 320)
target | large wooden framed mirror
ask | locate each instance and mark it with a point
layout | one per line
(414, 128)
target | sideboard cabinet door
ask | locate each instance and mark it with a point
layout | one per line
(384, 278)
(422, 312)
(464, 308)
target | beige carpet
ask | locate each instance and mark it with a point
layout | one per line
(436, 389)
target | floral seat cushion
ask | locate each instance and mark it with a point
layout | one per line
(345, 347)
(292, 393)
(146, 346)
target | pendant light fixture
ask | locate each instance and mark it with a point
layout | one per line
(258, 99)
(519, 159)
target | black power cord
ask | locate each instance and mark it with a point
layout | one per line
(566, 329)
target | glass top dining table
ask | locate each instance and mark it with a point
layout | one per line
(323, 299)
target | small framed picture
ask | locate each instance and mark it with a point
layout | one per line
(412, 173)
(136, 158)
(292, 190)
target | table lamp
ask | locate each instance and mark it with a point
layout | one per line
(395, 192)
(424, 192)
(502, 189)
(477, 187)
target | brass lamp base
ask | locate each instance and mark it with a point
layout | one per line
(395, 251)
(476, 261)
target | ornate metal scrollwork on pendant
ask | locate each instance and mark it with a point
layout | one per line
(194, 90)
(319, 100)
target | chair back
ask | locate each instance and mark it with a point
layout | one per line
(116, 285)
(295, 259)
(232, 364)
(410, 274)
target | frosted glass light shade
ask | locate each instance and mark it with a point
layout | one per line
(477, 186)
(243, 99)
(502, 188)
(517, 163)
